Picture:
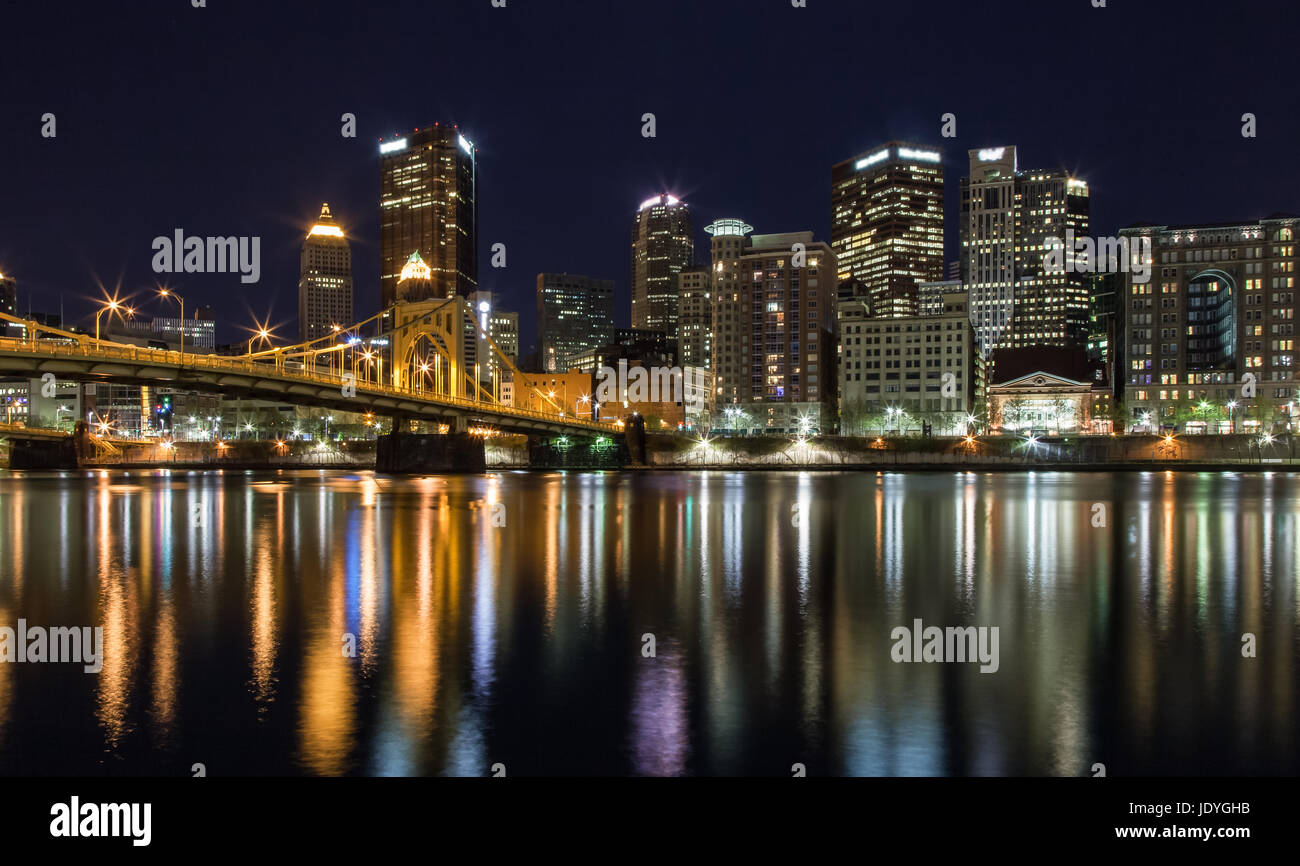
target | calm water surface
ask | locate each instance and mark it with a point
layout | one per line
(225, 600)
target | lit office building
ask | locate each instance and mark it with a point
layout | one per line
(8, 295)
(574, 313)
(429, 204)
(930, 296)
(503, 328)
(415, 281)
(892, 370)
(1007, 215)
(887, 223)
(774, 330)
(499, 326)
(1106, 326)
(1211, 337)
(695, 317)
(165, 331)
(663, 244)
(9, 306)
(324, 280)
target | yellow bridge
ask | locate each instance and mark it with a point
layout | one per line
(419, 374)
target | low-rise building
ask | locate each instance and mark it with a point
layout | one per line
(1048, 391)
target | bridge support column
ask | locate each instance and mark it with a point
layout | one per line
(634, 429)
(50, 454)
(429, 453)
(554, 451)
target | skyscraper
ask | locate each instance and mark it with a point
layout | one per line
(574, 313)
(429, 204)
(415, 281)
(1006, 216)
(663, 244)
(887, 223)
(503, 328)
(9, 305)
(324, 279)
(730, 330)
(774, 314)
(695, 317)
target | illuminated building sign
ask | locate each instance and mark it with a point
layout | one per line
(990, 154)
(466, 146)
(393, 146)
(872, 160)
(922, 155)
(664, 199)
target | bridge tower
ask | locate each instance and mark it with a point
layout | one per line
(427, 345)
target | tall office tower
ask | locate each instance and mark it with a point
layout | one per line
(415, 281)
(8, 295)
(730, 327)
(695, 317)
(9, 305)
(774, 329)
(1220, 305)
(478, 351)
(663, 243)
(1007, 214)
(1106, 327)
(324, 279)
(503, 328)
(429, 204)
(887, 223)
(574, 313)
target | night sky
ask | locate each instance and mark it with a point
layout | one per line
(226, 121)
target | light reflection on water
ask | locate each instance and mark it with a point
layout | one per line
(229, 602)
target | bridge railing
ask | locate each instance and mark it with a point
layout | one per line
(92, 350)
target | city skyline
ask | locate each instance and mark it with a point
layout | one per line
(547, 229)
(897, 393)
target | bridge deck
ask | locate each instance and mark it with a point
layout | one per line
(91, 360)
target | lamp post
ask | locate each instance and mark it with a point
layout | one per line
(261, 334)
(1232, 407)
(113, 306)
(168, 293)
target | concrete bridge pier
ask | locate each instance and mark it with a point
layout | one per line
(37, 454)
(554, 451)
(401, 453)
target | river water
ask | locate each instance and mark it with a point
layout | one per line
(652, 623)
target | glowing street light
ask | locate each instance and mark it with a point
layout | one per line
(261, 331)
(168, 293)
(113, 307)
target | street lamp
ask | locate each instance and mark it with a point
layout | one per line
(260, 334)
(113, 307)
(1232, 406)
(168, 293)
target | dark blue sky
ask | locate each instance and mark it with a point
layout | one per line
(225, 121)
